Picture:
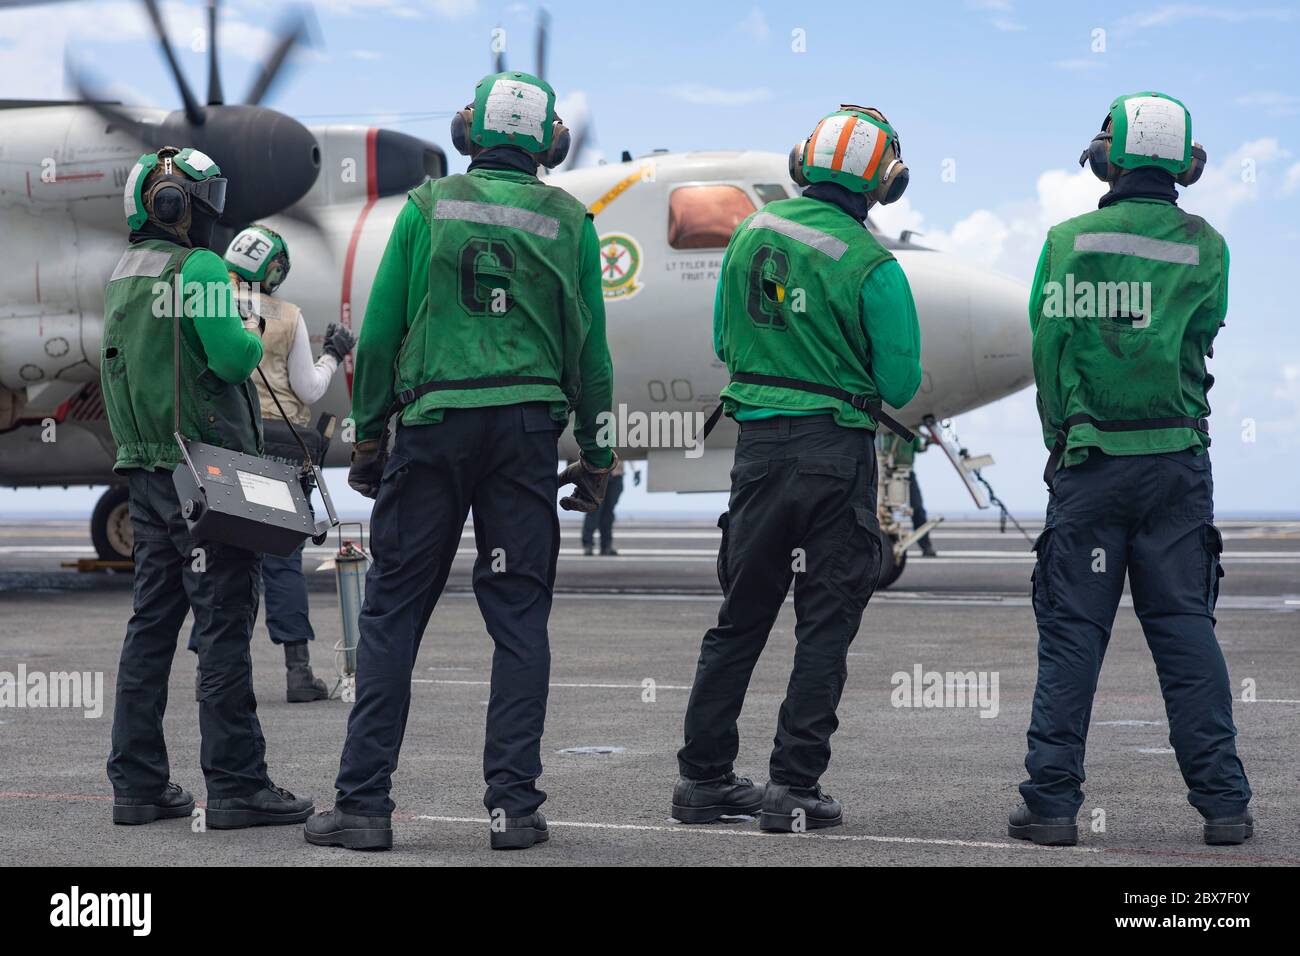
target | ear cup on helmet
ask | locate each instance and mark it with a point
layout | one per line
(1097, 156)
(893, 184)
(168, 203)
(796, 163)
(461, 124)
(560, 143)
(1197, 166)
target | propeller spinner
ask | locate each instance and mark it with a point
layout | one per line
(270, 158)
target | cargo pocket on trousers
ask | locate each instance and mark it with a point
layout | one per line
(724, 520)
(1040, 580)
(386, 516)
(866, 543)
(1213, 540)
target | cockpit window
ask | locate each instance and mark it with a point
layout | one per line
(770, 192)
(704, 217)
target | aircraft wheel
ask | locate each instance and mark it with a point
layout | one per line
(110, 525)
(890, 568)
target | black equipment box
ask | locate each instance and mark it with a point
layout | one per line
(243, 500)
(247, 501)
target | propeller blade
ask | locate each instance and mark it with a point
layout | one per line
(193, 112)
(215, 97)
(543, 26)
(304, 216)
(293, 33)
(577, 145)
(108, 110)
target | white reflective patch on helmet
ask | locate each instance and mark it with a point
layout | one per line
(197, 161)
(847, 144)
(1157, 128)
(128, 193)
(249, 250)
(514, 106)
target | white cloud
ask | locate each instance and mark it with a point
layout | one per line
(1291, 181)
(1234, 180)
(1081, 64)
(34, 41)
(407, 9)
(1002, 14)
(701, 95)
(754, 25)
(1272, 102)
(1174, 13)
(1006, 240)
(1009, 238)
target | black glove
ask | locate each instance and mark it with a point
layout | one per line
(339, 341)
(367, 468)
(588, 484)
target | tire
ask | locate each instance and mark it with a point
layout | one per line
(110, 525)
(891, 569)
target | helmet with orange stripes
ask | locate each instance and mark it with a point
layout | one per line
(857, 148)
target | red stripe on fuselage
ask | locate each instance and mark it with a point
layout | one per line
(372, 194)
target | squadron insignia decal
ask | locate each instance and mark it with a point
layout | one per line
(620, 263)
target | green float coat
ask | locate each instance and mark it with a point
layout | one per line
(792, 302)
(1125, 306)
(218, 402)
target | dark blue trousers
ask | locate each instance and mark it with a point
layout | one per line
(1150, 517)
(175, 574)
(500, 463)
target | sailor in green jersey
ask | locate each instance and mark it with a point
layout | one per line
(485, 329)
(173, 198)
(815, 322)
(1124, 309)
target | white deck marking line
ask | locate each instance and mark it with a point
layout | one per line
(486, 683)
(722, 831)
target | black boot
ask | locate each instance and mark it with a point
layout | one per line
(336, 828)
(588, 549)
(704, 801)
(1229, 831)
(174, 801)
(519, 833)
(270, 807)
(301, 685)
(794, 810)
(1044, 831)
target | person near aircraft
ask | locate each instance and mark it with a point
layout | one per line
(258, 260)
(816, 324)
(173, 198)
(1124, 308)
(602, 519)
(904, 454)
(485, 329)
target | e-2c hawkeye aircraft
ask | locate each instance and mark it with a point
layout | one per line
(334, 192)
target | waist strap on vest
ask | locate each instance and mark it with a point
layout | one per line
(408, 395)
(1131, 425)
(861, 402)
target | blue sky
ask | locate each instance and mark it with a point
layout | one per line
(1009, 91)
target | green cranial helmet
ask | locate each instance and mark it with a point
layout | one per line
(259, 254)
(513, 109)
(191, 170)
(854, 147)
(1150, 129)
